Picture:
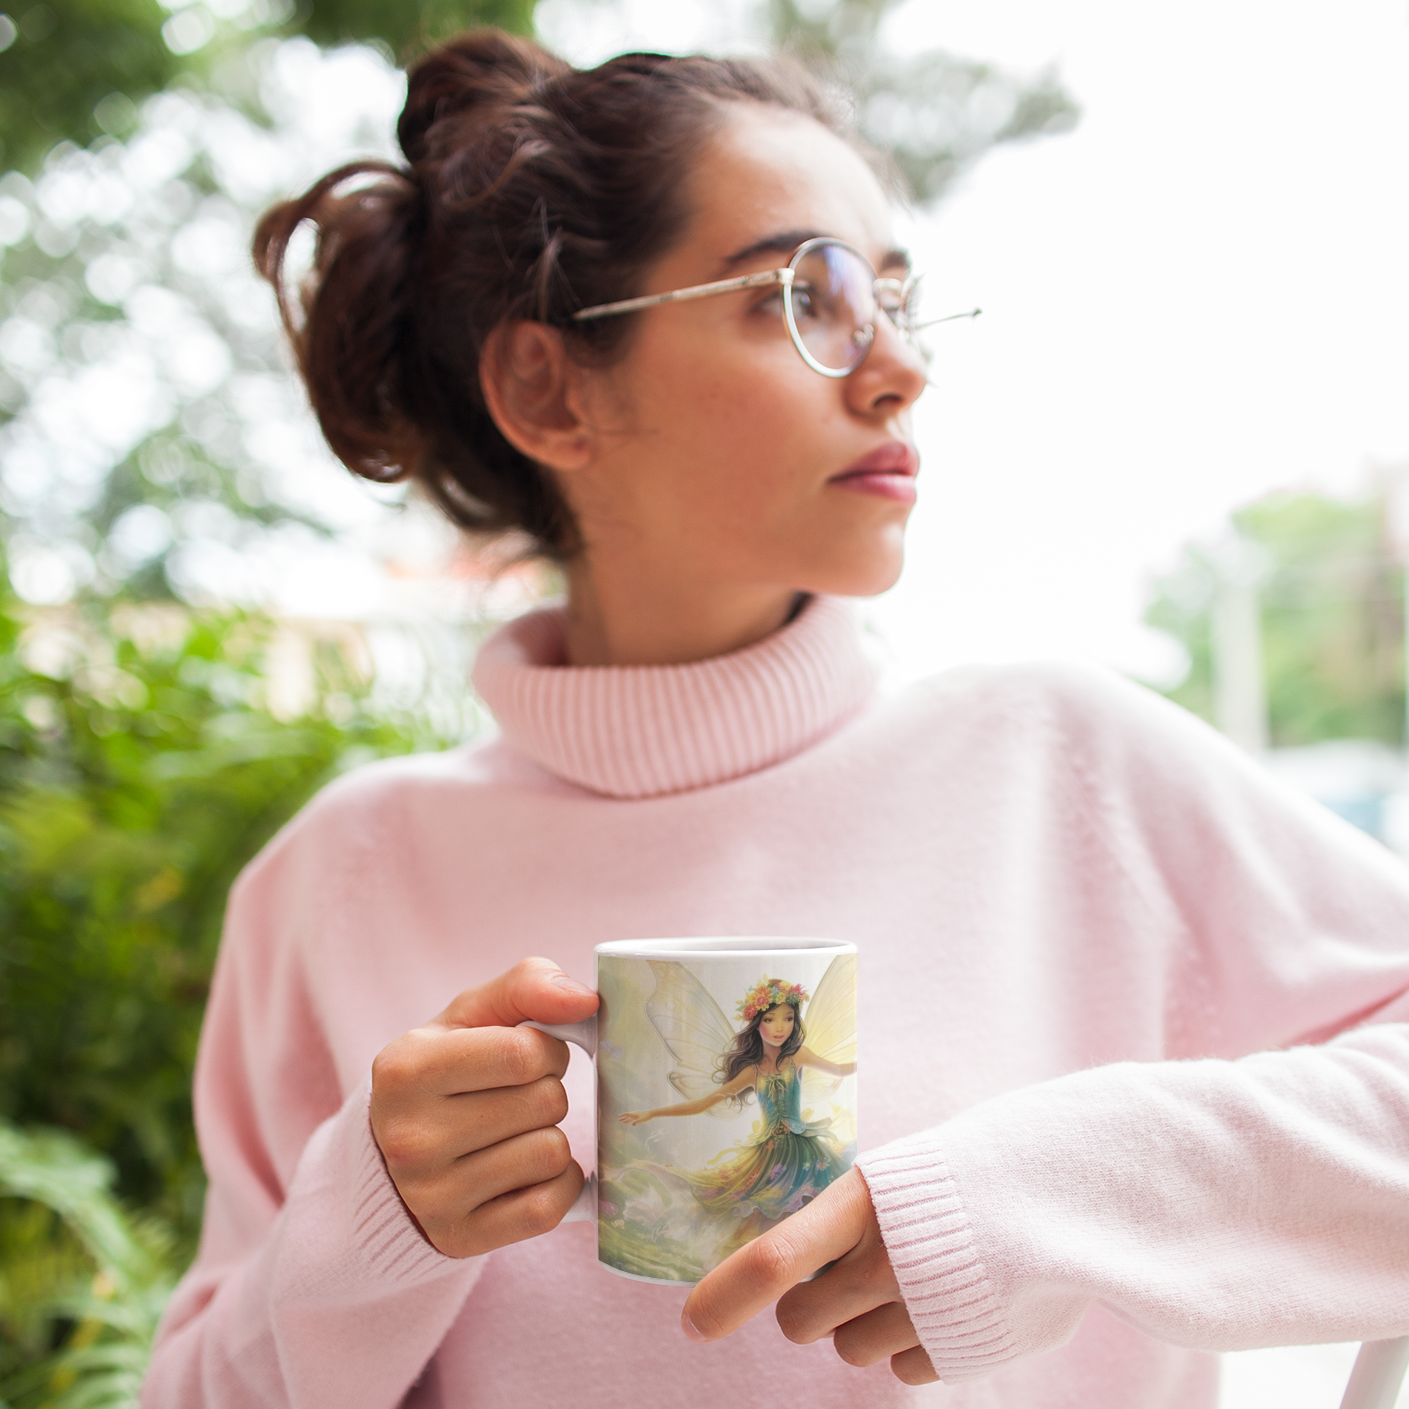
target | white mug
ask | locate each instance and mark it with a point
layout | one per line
(726, 1094)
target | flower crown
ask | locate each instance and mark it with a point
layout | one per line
(768, 993)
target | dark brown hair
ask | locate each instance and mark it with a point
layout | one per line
(531, 189)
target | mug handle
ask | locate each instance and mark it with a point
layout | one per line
(584, 1035)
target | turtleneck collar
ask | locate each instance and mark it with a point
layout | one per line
(636, 731)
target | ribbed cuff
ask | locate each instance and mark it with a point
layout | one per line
(356, 1300)
(951, 1301)
(383, 1229)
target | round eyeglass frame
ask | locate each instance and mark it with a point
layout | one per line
(898, 289)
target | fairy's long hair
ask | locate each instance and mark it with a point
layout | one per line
(746, 1050)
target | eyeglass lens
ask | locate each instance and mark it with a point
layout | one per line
(833, 306)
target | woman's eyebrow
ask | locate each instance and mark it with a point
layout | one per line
(786, 241)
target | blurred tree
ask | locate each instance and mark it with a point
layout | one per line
(65, 59)
(1332, 606)
(402, 26)
(147, 419)
(935, 113)
(75, 69)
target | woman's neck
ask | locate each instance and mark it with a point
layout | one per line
(614, 622)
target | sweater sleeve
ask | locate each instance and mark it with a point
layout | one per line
(313, 1286)
(1226, 1198)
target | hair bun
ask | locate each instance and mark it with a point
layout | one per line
(533, 189)
(481, 68)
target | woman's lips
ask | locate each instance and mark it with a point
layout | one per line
(889, 472)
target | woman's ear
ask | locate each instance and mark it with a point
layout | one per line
(532, 389)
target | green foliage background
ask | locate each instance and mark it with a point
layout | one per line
(77, 1272)
(140, 768)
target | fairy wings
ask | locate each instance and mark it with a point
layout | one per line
(696, 1032)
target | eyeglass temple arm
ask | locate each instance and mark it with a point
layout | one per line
(721, 286)
(948, 318)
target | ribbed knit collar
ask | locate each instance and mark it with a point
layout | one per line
(645, 730)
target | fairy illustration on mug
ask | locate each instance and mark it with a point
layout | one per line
(791, 1052)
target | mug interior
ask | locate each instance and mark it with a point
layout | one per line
(723, 946)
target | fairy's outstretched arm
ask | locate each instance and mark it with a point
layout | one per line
(805, 1057)
(742, 1082)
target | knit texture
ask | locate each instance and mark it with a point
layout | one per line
(644, 730)
(1133, 1062)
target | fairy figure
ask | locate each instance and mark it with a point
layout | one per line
(790, 1159)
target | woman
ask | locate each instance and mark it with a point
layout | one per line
(1094, 935)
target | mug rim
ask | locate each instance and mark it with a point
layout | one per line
(733, 946)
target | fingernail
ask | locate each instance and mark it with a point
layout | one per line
(690, 1329)
(572, 985)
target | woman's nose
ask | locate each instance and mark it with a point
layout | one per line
(892, 376)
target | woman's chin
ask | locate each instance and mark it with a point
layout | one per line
(865, 575)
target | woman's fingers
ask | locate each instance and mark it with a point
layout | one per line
(445, 1198)
(763, 1270)
(421, 1136)
(439, 1095)
(465, 1111)
(858, 1283)
(483, 1118)
(857, 1301)
(512, 1217)
(912, 1367)
(535, 989)
(433, 1061)
(535, 1157)
(879, 1334)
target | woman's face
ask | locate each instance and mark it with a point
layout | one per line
(720, 458)
(777, 1024)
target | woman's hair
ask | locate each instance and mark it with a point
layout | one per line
(746, 1050)
(530, 189)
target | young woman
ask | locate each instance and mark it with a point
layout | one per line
(1133, 1020)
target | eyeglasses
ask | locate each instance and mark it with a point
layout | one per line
(830, 298)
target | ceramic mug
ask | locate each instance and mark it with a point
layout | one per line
(726, 1094)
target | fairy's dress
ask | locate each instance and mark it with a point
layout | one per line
(776, 1174)
(674, 1222)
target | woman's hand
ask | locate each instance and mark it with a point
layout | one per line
(636, 1117)
(857, 1301)
(466, 1111)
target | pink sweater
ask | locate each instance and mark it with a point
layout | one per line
(1134, 1062)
